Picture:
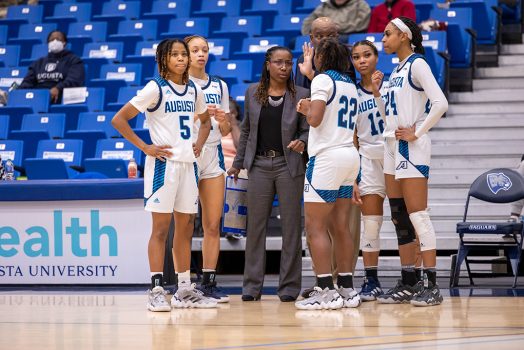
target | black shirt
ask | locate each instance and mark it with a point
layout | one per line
(270, 127)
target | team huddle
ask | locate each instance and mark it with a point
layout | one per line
(367, 140)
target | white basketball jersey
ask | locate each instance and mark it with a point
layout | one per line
(370, 124)
(406, 104)
(170, 122)
(213, 93)
(341, 97)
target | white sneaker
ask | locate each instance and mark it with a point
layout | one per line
(350, 297)
(191, 297)
(327, 299)
(157, 301)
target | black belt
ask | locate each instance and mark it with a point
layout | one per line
(270, 154)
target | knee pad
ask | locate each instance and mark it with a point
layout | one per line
(400, 217)
(426, 233)
(370, 241)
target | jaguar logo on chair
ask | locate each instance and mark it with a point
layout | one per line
(498, 181)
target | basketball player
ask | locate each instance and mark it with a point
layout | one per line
(415, 103)
(332, 168)
(211, 165)
(170, 102)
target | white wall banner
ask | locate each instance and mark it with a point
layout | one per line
(74, 242)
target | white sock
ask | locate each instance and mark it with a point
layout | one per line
(184, 279)
(156, 273)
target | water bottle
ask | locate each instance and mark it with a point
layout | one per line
(132, 169)
(9, 170)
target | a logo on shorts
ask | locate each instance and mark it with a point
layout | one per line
(498, 181)
(156, 201)
(306, 188)
(402, 165)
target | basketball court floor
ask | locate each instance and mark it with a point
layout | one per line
(116, 318)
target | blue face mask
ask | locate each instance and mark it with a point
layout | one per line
(55, 46)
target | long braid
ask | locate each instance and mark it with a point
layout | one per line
(416, 33)
(262, 94)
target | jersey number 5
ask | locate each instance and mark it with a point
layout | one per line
(185, 131)
(342, 113)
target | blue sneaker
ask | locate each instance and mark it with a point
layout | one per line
(212, 291)
(370, 289)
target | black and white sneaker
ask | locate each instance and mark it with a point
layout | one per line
(321, 299)
(157, 301)
(191, 297)
(430, 296)
(400, 294)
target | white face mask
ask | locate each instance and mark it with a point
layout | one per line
(55, 46)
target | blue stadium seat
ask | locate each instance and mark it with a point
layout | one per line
(141, 121)
(9, 55)
(66, 13)
(80, 34)
(308, 6)
(116, 11)
(511, 14)
(3, 35)
(239, 28)
(4, 127)
(485, 20)
(374, 3)
(125, 94)
(165, 10)
(97, 54)
(31, 34)
(297, 45)
(459, 37)
(10, 75)
(131, 32)
(95, 101)
(436, 47)
(112, 156)
(232, 72)
(22, 102)
(423, 9)
(218, 10)
(220, 48)
(145, 52)
(375, 38)
(254, 49)
(182, 27)
(288, 26)
(38, 51)
(238, 93)
(386, 63)
(12, 149)
(115, 76)
(53, 160)
(269, 9)
(144, 135)
(23, 14)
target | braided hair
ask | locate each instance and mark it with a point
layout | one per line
(163, 53)
(261, 94)
(416, 33)
(334, 55)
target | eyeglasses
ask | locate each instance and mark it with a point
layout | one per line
(320, 37)
(280, 63)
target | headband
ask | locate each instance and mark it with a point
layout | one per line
(403, 28)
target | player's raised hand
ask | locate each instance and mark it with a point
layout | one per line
(158, 152)
(211, 109)
(303, 106)
(376, 81)
(306, 68)
(406, 134)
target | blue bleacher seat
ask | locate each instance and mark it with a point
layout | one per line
(66, 13)
(112, 156)
(145, 52)
(31, 34)
(374, 3)
(485, 20)
(3, 34)
(80, 34)
(217, 10)
(100, 121)
(141, 121)
(435, 44)
(38, 51)
(459, 39)
(115, 11)
(232, 72)
(269, 9)
(288, 26)
(307, 6)
(124, 95)
(182, 27)
(115, 76)
(131, 32)
(95, 101)
(22, 14)
(238, 93)
(386, 63)
(423, 9)
(10, 75)
(165, 10)
(12, 149)
(254, 49)
(297, 44)
(219, 48)
(9, 55)
(22, 102)
(53, 160)
(239, 28)
(4, 127)
(97, 54)
(375, 38)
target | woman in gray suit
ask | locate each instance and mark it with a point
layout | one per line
(273, 137)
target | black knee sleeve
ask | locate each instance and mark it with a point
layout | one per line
(400, 217)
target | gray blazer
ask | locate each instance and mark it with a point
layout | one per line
(294, 126)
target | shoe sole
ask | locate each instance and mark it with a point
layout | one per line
(322, 306)
(368, 297)
(391, 301)
(223, 300)
(191, 305)
(351, 303)
(424, 304)
(159, 309)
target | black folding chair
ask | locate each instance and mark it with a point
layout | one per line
(499, 185)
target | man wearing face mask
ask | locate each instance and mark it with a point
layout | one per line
(58, 70)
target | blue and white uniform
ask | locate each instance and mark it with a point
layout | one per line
(170, 109)
(413, 98)
(334, 162)
(211, 160)
(370, 126)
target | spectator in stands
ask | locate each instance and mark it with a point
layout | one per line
(516, 207)
(4, 4)
(273, 137)
(350, 16)
(60, 69)
(389, 9)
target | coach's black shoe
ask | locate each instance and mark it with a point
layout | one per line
(430, 296)
(286, 298)
(400, 294)
(247, 297)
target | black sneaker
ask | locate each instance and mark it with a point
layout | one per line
(429, 296)
(370, 289)
(400, 294)
(308, 292)
(212, 291)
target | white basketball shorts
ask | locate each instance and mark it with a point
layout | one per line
(407, 159)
